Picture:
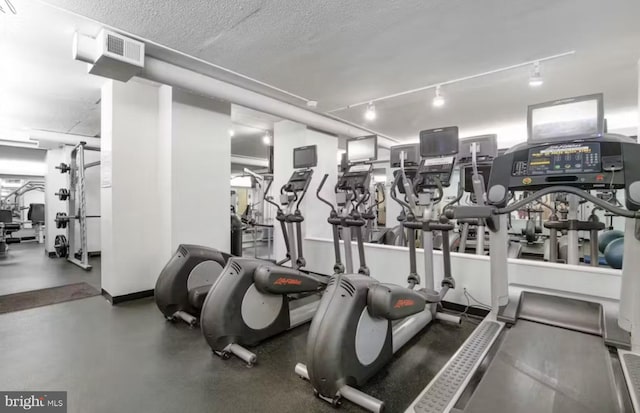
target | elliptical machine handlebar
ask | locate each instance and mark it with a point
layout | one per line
(270, 200)
(394, 195)
(377, 203)
(324, 180)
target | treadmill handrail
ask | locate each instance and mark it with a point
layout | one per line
(489, 211)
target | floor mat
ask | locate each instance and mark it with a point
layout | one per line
(47, 296)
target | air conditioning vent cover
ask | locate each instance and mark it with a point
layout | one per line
(118, 57)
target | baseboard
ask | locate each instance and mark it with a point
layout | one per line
(459, 308)
(52, 254)
(118, 299)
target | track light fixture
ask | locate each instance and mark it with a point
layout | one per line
(370, 113)
(535, 79)
(438, 99)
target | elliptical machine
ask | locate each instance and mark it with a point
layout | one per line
(361, 322)
(186, 280)
(252, 299)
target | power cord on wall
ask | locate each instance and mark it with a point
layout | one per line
(479, 305)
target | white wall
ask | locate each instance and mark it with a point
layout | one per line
(201, 152)
(22, 161)
(165, 179)
(390, 264)
(287, 136)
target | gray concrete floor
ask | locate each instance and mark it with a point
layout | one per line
(128, 359)
(26, 268)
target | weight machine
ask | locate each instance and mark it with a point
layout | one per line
(69, 246)
(16, 207)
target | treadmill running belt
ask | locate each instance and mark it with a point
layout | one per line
(545, 369)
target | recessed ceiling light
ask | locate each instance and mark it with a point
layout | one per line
(535, 79)
(438, 99)
(370, 113)
(266, 139)
(231, 132)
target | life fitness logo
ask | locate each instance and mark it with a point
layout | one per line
(33, 401)
(287, 281)
(404, 302)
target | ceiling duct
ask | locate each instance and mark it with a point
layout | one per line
(156, 70)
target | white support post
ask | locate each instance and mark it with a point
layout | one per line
(499, 245)
(629, 315)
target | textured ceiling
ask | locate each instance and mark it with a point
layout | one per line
(340, 52)
(41, 87)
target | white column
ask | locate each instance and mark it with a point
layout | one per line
(288, 135)
(130, 201)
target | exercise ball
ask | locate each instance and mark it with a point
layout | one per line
(606, 237)
(613, 253)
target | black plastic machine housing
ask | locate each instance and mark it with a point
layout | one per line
(356, 177)
(438, 147)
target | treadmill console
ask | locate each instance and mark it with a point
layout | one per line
(356, 177)
(571, 158)
(433, 170)
(609, 163)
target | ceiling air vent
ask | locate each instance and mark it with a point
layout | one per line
(115, 45)
(110, 54)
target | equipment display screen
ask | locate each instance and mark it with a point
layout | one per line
(439, 142)
(578, 118)
(305, 157)
(411, 155)
(362, 149)
(565, 159)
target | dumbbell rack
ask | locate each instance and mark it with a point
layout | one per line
(76, 196)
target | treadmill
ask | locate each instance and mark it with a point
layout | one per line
(544, 350)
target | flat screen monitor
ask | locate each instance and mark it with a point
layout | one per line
(411, 155)
(486, 147)
(305, 157)
(362, 149)
(569, 119)
(439, 142)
